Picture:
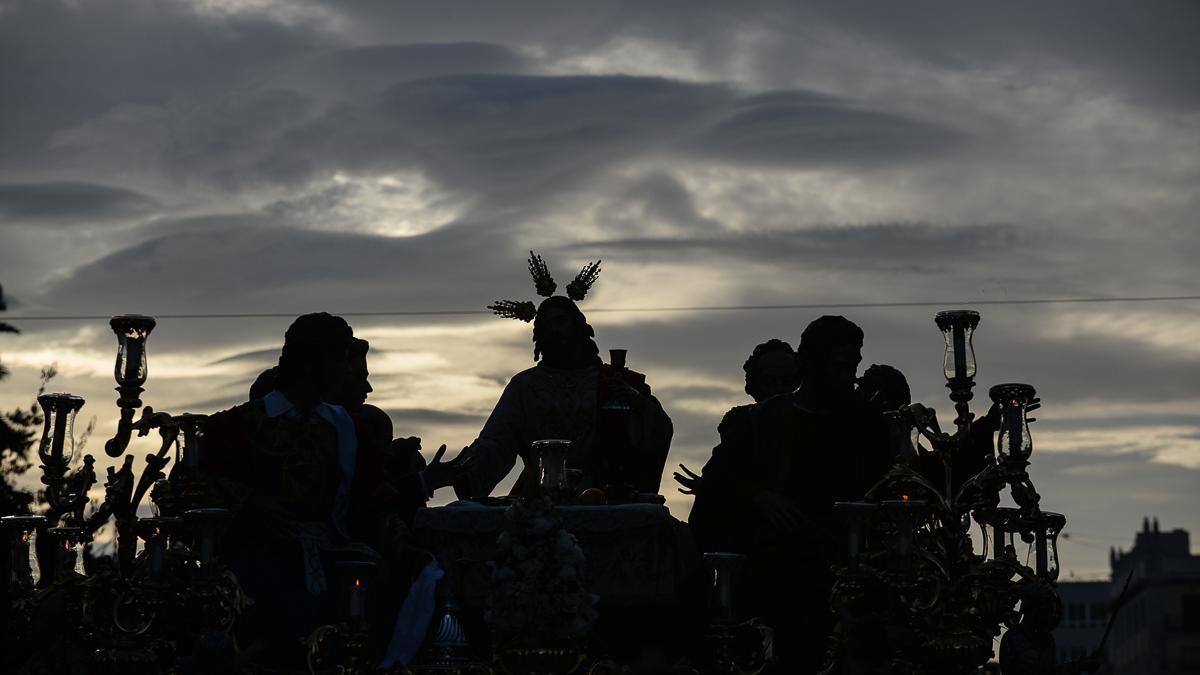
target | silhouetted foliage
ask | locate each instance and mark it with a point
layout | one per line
(18, 431)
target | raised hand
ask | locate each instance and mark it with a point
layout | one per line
(690, 482)
(439, 474)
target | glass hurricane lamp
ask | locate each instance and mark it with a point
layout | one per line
(57, 448)
(132, 330)
(1014, 444)
(957, 327)
(551, 462)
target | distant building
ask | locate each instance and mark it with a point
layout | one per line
(1157, 628)
(1084, 615)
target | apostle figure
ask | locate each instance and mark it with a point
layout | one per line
(619, 433)
(771, 369)
(885, 389)
(1029, 647)
(777, 473)
(304, 490)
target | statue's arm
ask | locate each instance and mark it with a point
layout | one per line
(723, 505)
(494, 453)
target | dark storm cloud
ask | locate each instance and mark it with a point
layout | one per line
(514, 134)
(530, 136)
(795, 128)
(199, 264)
(69, 203)
(350, 71)
(62, 63)
(912, 247)
(1143, 51)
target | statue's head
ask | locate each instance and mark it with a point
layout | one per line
(562, 335)
(885, 387)
(771, 369)
(830, 351)
(1041, 608)
(355, 386)
(316, 354)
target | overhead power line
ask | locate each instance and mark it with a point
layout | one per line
(692, 308)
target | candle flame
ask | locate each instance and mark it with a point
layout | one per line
(904, 497)
(357, 583)
(157, 531)
(24, 537)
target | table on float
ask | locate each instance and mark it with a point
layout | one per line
(636, 553)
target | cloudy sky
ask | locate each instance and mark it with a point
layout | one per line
(286, 156)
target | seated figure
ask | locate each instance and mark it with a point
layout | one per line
(776, 475)
(771, 369)
(289, 466)
(620, 434)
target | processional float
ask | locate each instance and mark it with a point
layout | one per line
(910, 562)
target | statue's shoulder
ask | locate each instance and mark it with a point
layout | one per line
(236, 424)
(525, 376)
(780, 405)
(241, 411)
(735, 418)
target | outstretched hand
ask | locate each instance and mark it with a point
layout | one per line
(439, 474)
(691, 481)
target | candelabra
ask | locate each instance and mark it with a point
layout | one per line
(910, 566)
(733, 647)
(129, 613)
(342, 647)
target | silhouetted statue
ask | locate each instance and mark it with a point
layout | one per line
(777, 473)
(1029, 648)
(288, 464)
(771, 369)
(562, 398)
(885, 389)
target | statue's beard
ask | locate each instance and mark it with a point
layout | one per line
(564, 353)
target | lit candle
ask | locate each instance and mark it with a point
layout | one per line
(358, 603)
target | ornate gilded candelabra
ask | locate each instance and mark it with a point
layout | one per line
(131, 613)
(911, 571)
(733, 646)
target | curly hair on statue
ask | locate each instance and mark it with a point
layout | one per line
(772, 346)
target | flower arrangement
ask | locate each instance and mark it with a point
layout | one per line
(538, 597)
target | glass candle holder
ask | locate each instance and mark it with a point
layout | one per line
(356, 574)
(57, 448)
(1045, 544)
(551, 461)
(20, 532)
(857, 516)
(132, 330)
(154, 532)
(205, 525)
(905, 514)
(985, 535)
(68, 558)
(722, 568)
(1006, 523)
(1014, 444)
(187, 447)
(958, 326)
